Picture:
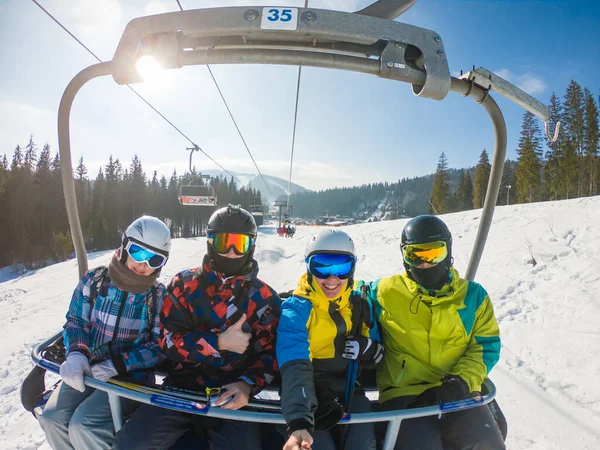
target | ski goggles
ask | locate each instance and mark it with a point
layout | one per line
(425, 255)
(222, 242)
(141, 254)
(325, 265)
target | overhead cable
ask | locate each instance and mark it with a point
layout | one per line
(233, 119)
(137, 93)
(294, 132)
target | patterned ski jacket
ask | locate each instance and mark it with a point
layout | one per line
(199, 306)
(104, 322)
(311, 338)
(431, 334)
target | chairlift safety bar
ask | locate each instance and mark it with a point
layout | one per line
(197, 404)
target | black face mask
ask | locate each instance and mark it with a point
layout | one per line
(231, 266)
(432, 278)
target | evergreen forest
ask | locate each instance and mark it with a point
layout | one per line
(567, 168)
(35, 228)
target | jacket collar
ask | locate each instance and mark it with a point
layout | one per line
(218, 278)
(434, 295)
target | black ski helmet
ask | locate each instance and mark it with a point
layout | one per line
(231, 219)
(428, 228)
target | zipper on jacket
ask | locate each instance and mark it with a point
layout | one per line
(123, 300)
(401, 374)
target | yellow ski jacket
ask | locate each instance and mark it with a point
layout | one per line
(430, 334)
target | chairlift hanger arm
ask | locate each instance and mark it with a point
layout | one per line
(490, 81)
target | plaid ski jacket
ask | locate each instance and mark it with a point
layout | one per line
(199, 306)
(104, 322)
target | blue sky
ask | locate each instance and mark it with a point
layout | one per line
(352, 128)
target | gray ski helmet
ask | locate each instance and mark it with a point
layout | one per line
(150, 232)
(428, 228)
(232, 219)
(330, 241)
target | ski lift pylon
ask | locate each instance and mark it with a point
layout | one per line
(197, 194)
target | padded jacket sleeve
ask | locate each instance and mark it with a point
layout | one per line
(298, 397)
(483, 351)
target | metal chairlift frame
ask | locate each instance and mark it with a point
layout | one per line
(367, 41)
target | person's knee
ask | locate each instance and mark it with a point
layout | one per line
(76, 429)
(51, 417)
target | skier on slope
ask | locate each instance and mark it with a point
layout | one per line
(112, 329)
(315, 344)
(441, 340)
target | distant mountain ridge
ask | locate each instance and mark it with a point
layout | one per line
(277, 187)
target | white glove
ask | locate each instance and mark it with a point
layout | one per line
(73, 370)
(104, 370)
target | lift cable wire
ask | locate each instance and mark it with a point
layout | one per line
(294, 136)
(136, 93)
(233, 119)
(294, 132)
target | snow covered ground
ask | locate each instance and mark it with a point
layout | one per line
(548, 376)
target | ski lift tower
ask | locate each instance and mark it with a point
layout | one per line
(280, 204)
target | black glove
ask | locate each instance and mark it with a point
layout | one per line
(453, 388)
(364, 349)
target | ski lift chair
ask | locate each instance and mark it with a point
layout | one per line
(197, 195)
(367, 41)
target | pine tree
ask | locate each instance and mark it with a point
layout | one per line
(482, 177)
(573, 129)
(43, 176)
(81, 170)
(5, 248)
(590, 142)
(137, 189)
(17, 160)
(529, 161)
(441, 188)
(83, 192)
(554, 185)
(508, 186)
(464, 193)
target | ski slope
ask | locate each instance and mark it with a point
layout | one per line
(548, 376)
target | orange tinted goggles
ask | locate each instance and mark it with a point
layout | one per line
(425, 255)
(222, 242)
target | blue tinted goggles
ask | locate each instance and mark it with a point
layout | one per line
(142, 254)
(325, 265)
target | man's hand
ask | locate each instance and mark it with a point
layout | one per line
(299, 440)
(234, 339)
(240, 391)
(73, 370)
(453, 388)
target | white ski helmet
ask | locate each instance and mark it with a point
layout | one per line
(330, 241)
(151, 232)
